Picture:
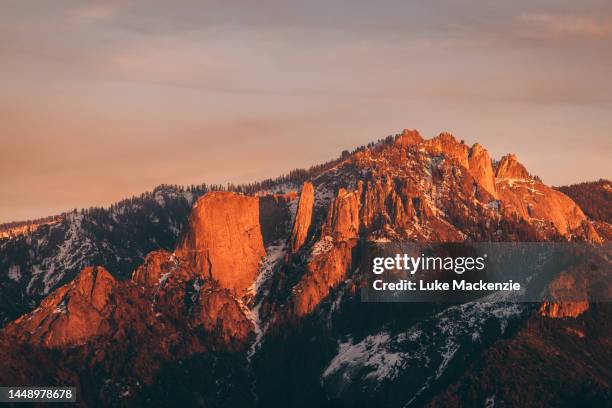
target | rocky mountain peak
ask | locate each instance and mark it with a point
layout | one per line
(446, 144)
(409, 137)
(261, 284)
(73, 313)
(510, 168)
(95, 284)
(535, 202)
(481, 168)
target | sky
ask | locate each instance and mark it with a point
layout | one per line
(104, 100)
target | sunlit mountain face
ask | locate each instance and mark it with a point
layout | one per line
(251, 295)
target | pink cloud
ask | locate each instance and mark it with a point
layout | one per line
(545, 25)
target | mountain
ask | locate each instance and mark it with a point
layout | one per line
(38, 256)
(257, 302)
(35, 263)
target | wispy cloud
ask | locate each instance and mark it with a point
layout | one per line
(154, 89)
(551, 25)
(95, 12)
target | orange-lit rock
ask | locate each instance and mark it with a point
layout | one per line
(373, 211)
(325, 270)
(446, 144)
(532, 200)
(217, 311)
(303, 217)
(570, 289)
(72, 314)
(331, 257)
(510, 168)
(385, 203)
(481, 168)
(343, 216)
(223, 239)
(409, 137)
(563, 309)
(153, 269)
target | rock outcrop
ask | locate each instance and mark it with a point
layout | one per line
(532, 200)
(587, 276)
(510, 168)
(331, 257)
(216, 311)
(446, 143)
(342, 221)
(481, 168)
(71, 315)
(224, 241)
(153, 271)
(535, 202)
(563, 309)
(409, 137)
(324, 271)
(303, 217)
(389, 203)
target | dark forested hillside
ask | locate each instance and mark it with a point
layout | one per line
(593, 197)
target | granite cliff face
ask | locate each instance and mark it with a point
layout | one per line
(264, 290)
(481, 168)
(446, 144)
(510, 168)
(531, 200)
(331, 260)
(224, 240)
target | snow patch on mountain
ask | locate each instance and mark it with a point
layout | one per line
(14, 273)
(373, 353)
(428, 348)
(275, 253)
